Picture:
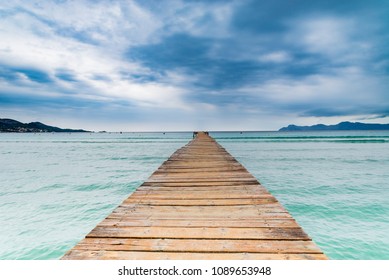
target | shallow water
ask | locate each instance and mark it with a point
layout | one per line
(54, 188)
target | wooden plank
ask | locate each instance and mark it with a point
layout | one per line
(204, 180)
(133, 255)
(201, 184)
(201, 193)
(239, 223)
(199, 204)
(196, 195)
(237, 188)
(198, 169)
(173, 216)
(203, 209)
(200, 233)
(199, 245)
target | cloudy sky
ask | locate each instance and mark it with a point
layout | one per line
(187, 65)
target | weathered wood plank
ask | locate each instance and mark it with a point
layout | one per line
(199, 245)
(251, 208)
(200, 233)
(199, 202)
(264, 215)
(184, 192)
(201, 184)
(243, 223)
(121, 255)
(237, 188)
(196, 195)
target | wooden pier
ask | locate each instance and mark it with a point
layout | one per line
(199, 204)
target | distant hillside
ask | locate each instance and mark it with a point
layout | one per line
(9, 125)
(339, 126)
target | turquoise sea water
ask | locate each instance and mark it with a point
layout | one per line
(54, 188)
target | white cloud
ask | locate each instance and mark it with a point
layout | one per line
(32, 40)
(275, 57)
(207, 19)
(348, 89)
(337, 38)
(110, 23)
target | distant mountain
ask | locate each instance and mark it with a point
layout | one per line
(339, 126)
(9, 125)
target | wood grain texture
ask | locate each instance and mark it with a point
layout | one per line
(199, 204)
